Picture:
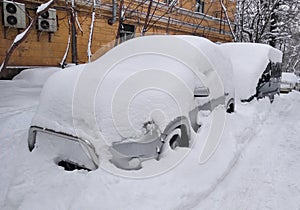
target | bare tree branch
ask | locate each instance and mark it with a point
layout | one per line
(227, 19)
(22, 36)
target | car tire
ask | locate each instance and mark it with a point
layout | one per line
(230, 106)
(181, 140)
(177, 134)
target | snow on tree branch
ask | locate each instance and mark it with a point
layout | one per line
(227, 19)
(22, 36)
(89, 51)
(78, 23)
(63, 61)
(273, 22)
(44, 7)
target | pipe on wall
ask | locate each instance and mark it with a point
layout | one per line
(113, 18)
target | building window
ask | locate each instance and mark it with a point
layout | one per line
(199, 6)
(127, 32)
(171, 3)
(218, 14)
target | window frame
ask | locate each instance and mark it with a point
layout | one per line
(199, 6)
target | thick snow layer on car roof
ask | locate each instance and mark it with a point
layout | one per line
(55, 109)
(151, 102)
(219, 61)
(289, 77)
(57, 103)
(249, 61)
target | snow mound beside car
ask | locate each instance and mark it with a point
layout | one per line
(37, 76)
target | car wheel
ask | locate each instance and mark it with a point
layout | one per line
(230, 107)
(271, 97)
(177, 138)
(173, 143)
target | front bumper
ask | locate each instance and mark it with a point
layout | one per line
(125, 155)
(129, 154)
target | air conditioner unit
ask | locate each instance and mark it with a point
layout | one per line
(47, 21)
(14, 14)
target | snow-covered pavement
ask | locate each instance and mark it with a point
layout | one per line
(257, 165)
(267, 173)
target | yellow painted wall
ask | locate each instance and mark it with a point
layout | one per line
(44, 53)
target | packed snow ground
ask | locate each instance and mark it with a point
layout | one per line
(257, 164)
(266, 175)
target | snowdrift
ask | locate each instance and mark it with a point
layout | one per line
(37, 76)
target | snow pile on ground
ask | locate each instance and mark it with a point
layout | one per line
(257, 160)
(36, 76)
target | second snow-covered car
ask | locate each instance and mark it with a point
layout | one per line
(257, 69)
(288, 82)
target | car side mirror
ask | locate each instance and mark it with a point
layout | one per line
(201, 92)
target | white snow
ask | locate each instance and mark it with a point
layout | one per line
(17, 39)
(170, 71)
(219, 60)
(228, 20)
(288, 77)
(148, 99)
(63, 60)
(1, 66)
(56, 99)
(249, 60)
(21, 35)
(37, 76)
(256, 166)
(42, 7)
(78, 23)
(89, 51)
(266, 174)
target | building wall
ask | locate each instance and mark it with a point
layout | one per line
(44, 49)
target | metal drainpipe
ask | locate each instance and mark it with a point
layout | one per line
(74, 38)
(113, 18)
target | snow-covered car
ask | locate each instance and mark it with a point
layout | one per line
(135, 101)
(257, 69)
(297, 87)
(288, 82)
